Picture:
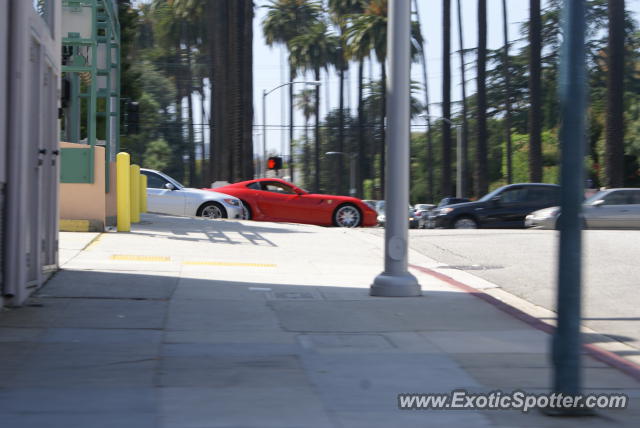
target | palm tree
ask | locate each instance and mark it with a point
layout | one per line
(482, 179)
(285, 20)
(465, 128)
(369, 33)
(535, 110)
(224, 29)
(446, 98)
(340, 10)
(507, 90)
(614, 149)
(305, 101)
(423, 58)
(312, 51)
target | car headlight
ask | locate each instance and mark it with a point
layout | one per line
(233, 202)
(445, 210)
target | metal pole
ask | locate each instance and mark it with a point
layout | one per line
(264, 134)
(460, 166)
(395, 280)
(566, 340)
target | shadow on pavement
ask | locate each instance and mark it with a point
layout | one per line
(139, 350)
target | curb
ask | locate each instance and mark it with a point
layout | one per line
(602, 355)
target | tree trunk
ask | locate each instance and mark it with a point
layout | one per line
(507, 84)
(465, 127)
(535, 110)
(446, 99)
(340, 160)
(218, 149)
(362, 158)
(428, 134)
(292, 76)
(316, 136)
(194, 181)
(383, 133)
(614, 149)
(232, 105)
(482, 179)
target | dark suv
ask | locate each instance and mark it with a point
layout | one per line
(505, 207)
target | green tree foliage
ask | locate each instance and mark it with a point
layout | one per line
(157, 155)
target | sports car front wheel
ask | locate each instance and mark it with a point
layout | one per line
(347, 216)
(212, 210)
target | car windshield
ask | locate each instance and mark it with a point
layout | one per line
(490, 195)
(174, 182)
(595, 197)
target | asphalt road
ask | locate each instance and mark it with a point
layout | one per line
(524, 263)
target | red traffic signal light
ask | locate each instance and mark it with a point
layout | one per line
(274, 162)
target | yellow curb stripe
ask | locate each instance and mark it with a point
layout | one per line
(240, 264)
(134, 258)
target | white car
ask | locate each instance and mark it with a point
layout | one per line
(166, 196)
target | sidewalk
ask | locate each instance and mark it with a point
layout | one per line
(191, 323)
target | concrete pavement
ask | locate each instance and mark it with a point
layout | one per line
(192, 323)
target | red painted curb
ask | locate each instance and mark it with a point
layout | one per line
(628, 367)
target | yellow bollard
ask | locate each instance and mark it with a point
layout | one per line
(123, 191)
(143, 193)
(135, 194)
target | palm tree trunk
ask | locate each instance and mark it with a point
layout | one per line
(316, 153)
(247, 168)
(383, 142)
(292, 76)
(535, 111)
(193, 179)
(507, 90)
(446, 98)
(340, 170)
(465, 127)
(204, 168)
(362, 158)
(428, 134)
(614, 149)
(482, 179)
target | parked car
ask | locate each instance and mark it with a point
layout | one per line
(371, 202)
(382, 217)
(505, 207)
(607, 209)
(433, 213)
(167, 196)
(449, 200)
(421, 212)
(273, 199)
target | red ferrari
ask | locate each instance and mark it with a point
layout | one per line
(272, 199)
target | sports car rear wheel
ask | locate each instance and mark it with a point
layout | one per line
(347, 216)
(212, 210)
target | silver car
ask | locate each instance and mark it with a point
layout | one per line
(607, 209)
(167, 196)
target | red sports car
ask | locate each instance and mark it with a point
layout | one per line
(272, 199)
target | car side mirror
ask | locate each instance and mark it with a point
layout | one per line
(496, 200)
(598, 203)
(170, 186)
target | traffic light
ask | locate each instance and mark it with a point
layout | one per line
(274, 162)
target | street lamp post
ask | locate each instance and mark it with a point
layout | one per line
(264, 125)
(396, 280)
(352, 170)
(460, 172)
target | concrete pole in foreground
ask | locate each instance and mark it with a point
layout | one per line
(396, 281)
